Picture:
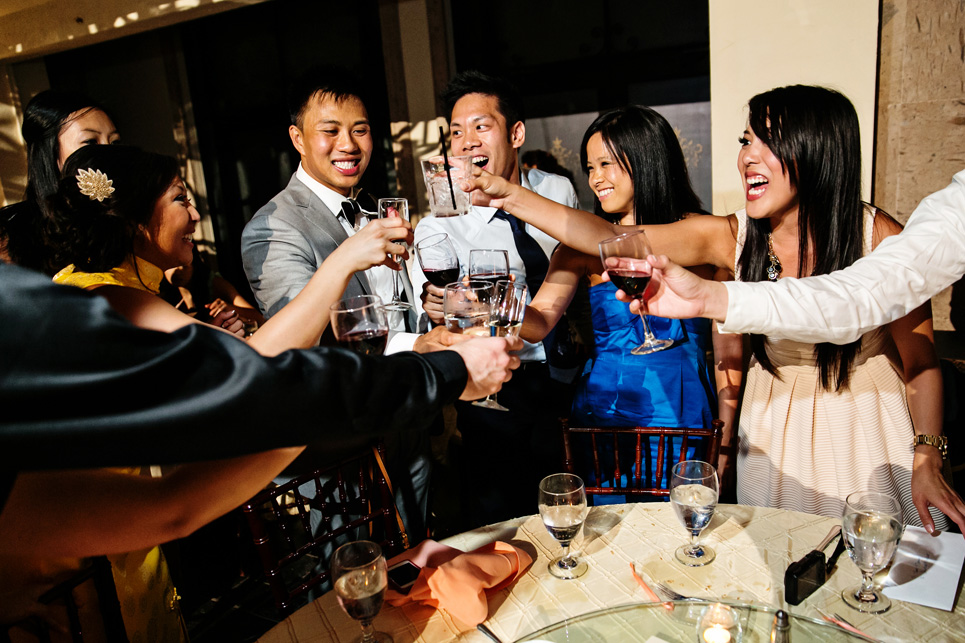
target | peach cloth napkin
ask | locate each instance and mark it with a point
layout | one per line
(458, 581)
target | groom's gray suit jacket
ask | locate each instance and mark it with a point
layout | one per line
(285, 243)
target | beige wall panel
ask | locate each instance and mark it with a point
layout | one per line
(819, 42)
(934, 54)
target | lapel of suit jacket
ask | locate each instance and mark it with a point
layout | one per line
(318, 214)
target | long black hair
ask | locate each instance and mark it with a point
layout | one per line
(27, 232)
(646, 147)
(814, 133)
(97, 236)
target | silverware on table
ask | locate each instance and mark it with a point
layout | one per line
(669, 593)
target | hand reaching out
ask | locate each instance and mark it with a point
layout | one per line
(432, 303)
(489, 362)
(677, 293)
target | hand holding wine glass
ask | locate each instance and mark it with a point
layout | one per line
(693, 494)
(360, 577)
(871, 529)
(562, 506)
(359, 323)
(624, 259)
(505, 320)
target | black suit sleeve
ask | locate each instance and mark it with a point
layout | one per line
(81, 387)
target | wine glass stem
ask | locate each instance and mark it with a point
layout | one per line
(395, 283)
(648, 336)
(867, 592)
(566, 555)
(368, 630)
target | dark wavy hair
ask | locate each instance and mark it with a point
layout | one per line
(814, 133)
(646, 147)
(97, 236)
(508, 99)
(44, 118)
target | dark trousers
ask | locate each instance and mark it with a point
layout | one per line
(505, 454)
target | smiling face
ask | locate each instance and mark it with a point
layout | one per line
(85, 127)
(334, 141)
(166, 240)
(479, 130)
(612, 184)
(767, 186)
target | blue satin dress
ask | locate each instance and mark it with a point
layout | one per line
(670, 388)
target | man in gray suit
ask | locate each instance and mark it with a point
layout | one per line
(289, 238)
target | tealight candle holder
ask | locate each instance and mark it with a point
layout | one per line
(718, 623)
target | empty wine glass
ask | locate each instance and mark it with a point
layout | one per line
(871, 529)
(505, 320)
(562, 506)
(488, 265)
(465, 306)
(359, 572)
(360, 324)
(395, 208)
(693, 494)
(438, 259)
(625, 261)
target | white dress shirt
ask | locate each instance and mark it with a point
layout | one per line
(480, 229)
(904, 272)
(380, 277)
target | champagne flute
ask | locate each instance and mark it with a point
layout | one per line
(505, 319)
(438, 259)
(360, 324)
(465, 306)
(693, 494)
(562, 506)
(488, 265)
(395, 208)
(871, 529)
(625, 260)
(360, 576)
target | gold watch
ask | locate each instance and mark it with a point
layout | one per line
(940, 442)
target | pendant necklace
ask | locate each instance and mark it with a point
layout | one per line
(773, 270)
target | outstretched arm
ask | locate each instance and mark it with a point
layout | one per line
(692, 241)
(548, 305)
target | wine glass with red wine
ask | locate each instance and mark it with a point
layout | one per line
(438, 258)
(489, 266)
(359, 573)
(625, 261)
(359, 323)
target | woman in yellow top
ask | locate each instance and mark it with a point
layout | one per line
(123, 217)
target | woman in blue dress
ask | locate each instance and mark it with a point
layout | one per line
(636, 169)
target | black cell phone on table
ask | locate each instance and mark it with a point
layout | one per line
(402, 576)
(804, 576)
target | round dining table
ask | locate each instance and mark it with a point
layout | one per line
(754, 546)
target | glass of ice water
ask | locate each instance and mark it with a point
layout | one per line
(693, 494)
(871, 528)
(562, 506)
(360, 576)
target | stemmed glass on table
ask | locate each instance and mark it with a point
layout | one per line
(438, 259)
(395, 208)
(360, 577)
(488, 265)
(562, 506)
(693, 494)
(625, 261)
(505, 320)
(871, 528)
(360, 324)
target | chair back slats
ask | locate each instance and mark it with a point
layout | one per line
(648, 472)
(352, 501)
